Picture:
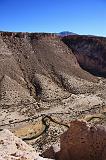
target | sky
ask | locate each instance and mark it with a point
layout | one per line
(78, 16)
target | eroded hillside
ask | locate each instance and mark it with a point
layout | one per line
(43, 87)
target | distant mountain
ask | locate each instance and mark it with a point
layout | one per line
(66, 33)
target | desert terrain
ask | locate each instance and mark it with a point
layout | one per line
(48, 82)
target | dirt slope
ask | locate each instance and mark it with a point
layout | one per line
(31, 59)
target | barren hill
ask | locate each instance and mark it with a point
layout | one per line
(32, 60)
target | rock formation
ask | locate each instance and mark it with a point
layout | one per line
(81, 141)
(90, 52)
(13, 148)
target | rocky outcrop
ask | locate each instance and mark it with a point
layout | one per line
(13, 148)
(90, 52)
(26, 35)
(81, 142)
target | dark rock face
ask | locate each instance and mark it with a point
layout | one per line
(90, 52)
(49, 153)
(81, 142)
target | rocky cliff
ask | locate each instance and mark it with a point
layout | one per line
(90, 52)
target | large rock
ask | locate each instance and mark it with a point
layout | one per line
(81, 142)
(13, 148)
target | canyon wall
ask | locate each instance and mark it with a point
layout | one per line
(90, 52)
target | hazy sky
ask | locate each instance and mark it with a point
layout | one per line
(79, 16)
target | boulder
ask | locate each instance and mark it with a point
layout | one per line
(81, 142)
